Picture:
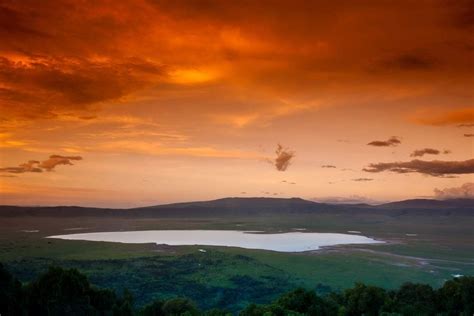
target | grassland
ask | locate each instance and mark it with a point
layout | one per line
(437, 248)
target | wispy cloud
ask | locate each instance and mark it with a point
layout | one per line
(462, 117)
(362, 179)
(352, 199)
(434, 168)
(392, 141)
(40, 166)
(409, 62)
(464, 191)
(56, 160)
(428, 151)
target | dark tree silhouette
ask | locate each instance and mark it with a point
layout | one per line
(68, 292)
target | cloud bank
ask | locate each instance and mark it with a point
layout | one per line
(465, 191)
(434, 168)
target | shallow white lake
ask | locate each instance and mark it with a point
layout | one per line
(283, 242)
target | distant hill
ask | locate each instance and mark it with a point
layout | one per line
(241, 207)
(429, 204)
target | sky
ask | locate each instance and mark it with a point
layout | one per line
(134, 103)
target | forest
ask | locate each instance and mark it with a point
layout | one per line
(60, 291)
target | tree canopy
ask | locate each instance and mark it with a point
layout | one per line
(68, 292)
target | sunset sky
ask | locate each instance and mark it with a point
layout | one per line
(134, 103)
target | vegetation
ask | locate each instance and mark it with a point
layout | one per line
(68, 292)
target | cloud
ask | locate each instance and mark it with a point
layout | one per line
(428, 151)
(328, 166)
(30, 166)
(56, 160)
(468, 135)
(466, 125)
(409, 62)
(464, 191)
(283, 158)
(37, 166)
(75, 83)
(352, 199)
(247, 42)
(392, 141)
(434, 168)
(362, 179)
(462, 117)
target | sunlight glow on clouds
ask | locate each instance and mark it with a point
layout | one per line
(197, 94)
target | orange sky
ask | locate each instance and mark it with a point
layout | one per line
(127, 103)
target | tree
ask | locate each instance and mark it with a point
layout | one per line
(124, 306)
(10, 294)
(217, 312)
(179, 307)
(155, 308)
(456, 297)
(415, 299)
(364, 300)
(306, 302)
(102, 299)
(59, 292)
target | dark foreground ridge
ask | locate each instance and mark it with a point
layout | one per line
(233, 207)
(68, 292)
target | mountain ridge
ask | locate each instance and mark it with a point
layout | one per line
(248, 206)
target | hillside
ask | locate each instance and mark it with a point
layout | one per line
(241, 207)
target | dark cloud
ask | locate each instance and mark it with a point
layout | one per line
(13, 22)
(362, 179)
(392, 141)
(434, 168)
(37, 166)
(425, 151)
(463, 15)
(328, 166)
(283, 158)
(55, 160)
(464, 191)
(410, 62)
(468, 135)
(30, 166)
(77, 83)
(466, 125)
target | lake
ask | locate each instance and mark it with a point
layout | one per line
(282, 242)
